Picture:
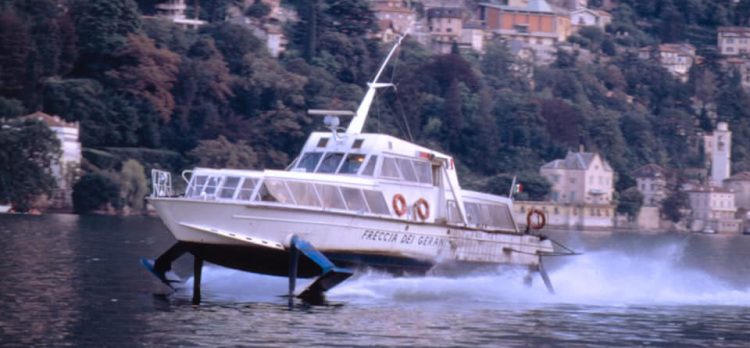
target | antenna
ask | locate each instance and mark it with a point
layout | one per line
(358, 122)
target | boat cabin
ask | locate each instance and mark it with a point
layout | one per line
(365, 174)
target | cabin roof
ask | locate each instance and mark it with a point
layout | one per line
(371, 143)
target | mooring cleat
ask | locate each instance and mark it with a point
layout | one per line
(168, 278)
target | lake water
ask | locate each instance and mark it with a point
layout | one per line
(76, 281)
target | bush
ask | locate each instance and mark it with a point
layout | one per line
(95, 192)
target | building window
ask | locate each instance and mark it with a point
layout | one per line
(729, 40)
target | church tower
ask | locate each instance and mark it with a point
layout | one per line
(721, 154)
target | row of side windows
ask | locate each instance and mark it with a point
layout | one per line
(288, 192)
(336, 162)
(493, 215)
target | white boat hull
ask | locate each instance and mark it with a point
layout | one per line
(344, 238)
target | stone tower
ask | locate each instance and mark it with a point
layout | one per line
(721, 154)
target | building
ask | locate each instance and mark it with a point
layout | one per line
(537, 23)
(718, 148)
(394, 17)
(66, 168)
(445, 25)
(582, 177)
(734, 45)
(676, 58)
(584, 17)
(742, 66)
(269, 28)
(733, 41)
(472, 36)
(740, 185)
(713, 210)
(651, 181)
(175, 11)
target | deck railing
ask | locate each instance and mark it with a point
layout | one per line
(161, 183)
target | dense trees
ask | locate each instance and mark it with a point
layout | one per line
(215, 96)
(27, 149)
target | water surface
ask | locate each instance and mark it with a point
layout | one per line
(76, 281)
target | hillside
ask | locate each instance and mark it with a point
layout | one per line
(143, 83)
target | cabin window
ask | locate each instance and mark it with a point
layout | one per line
(354, 199)
(230, 185)
(351, 164)
(389, 169)
(196, 186)
(454, 215)
(370, 167)
(211, 186)
(501, 217)
(357, 143)
(424, 172)
(485, 215)
(330, 197)
(246, 190)
(309, 161)
(495, 215)
(376, 202)
(274, 190)
(472, 213)
(304, 193)
(330, 162)
(322, 142)
(407, 170)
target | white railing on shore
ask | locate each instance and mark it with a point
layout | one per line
(161, 182)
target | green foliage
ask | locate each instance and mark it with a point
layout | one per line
(672, 206)
(145, 72)
(10, 107)
(15, 45)
(133, 185)
(258, 9)
(534, 186)
(102, 27)
(95, 192)
(221, 153)
(156, 93)
(27, 150)
(234, 42)
(630, 202)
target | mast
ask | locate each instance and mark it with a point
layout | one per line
(358, 122)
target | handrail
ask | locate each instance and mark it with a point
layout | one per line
(161, 183)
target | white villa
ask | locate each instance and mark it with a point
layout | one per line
(713, 210)
(676, 58)
(740, 184)
(581, 196)
(584, 17)
(175, 11)
(651, 181)
(65, 170)
(581, 177)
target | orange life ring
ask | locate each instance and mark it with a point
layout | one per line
(399, 204)
(540, 221)
(423, 209)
